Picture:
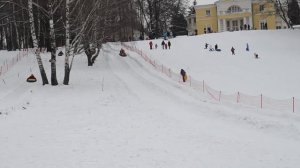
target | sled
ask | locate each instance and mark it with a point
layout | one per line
(31, 78)
(122, 53)
(60, 53)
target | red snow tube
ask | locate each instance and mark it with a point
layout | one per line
(122, 53)
(31, 78)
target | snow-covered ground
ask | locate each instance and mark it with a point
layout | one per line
(274, 74)
(123, 113)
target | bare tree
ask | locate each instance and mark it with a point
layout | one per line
(35, 43)
(282, 10)
(83, 24)
(157, 14)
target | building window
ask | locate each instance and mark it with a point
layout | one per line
(234, 9)
(261, 8)
(278, 27)
(207, 12)
(228, 25)
(194, 20)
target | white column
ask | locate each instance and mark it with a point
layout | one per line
(246, 22)
(219, 25)
(251, 22)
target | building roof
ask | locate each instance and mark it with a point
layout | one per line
(206, 2)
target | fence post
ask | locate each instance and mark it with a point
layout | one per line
(203, 86)
(238, 97)
(261, 101)
(190, 81)
(293, 104)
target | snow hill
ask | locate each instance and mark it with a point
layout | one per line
(122, 112)
(274, 74)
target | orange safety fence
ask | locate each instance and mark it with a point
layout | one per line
(7, 64)
(260, 101)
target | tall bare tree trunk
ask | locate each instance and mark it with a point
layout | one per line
(11, 36)
(16, 29)
(24, 41)
(67, 52)
(35, 44)
(53, 49)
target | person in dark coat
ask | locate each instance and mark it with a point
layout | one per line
(256, 55)
(206, 45)
(169, 44)
(122, 53)
(216, 47)
(232, 51)
(183, 74)
(163, 44)
(247, 47)
(150, 44)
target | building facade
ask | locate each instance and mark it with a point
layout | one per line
(191, 25)
(235, 15)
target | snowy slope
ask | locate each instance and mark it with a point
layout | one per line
(123, 113)
(275, 74)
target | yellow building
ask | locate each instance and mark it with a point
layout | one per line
(235, 15)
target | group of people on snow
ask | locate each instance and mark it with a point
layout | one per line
(210, 48)
(164, 44)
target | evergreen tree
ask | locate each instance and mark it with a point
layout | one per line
(179, 25)
(191, 10)
(294, 12)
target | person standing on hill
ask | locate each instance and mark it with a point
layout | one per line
(169, 44)
(216, 47)
(183, 74)
(150, 44)
(232, 51)
(163, 44)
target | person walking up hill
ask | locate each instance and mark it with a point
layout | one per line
(183, 74)
(169, 44)
(232, 51)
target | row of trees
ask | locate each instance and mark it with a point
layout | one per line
(158, 17)
(82, 26)
(288, 10)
